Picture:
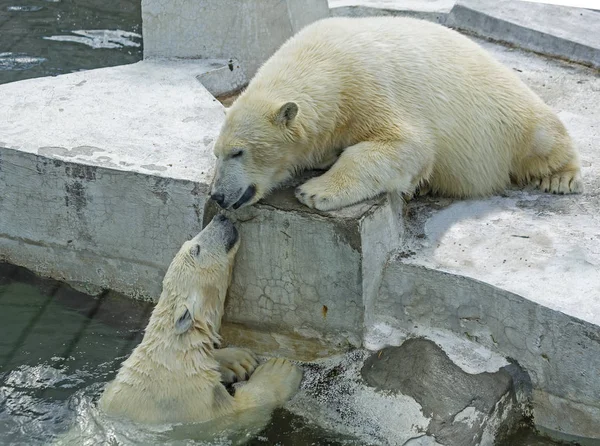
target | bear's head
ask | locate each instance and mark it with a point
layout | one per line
(254, 151)
(196, 282)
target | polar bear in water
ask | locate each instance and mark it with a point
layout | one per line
(175, 375)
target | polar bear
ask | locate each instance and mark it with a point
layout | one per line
(391, 104)
(175, 375)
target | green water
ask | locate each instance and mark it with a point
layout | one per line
(43, 38)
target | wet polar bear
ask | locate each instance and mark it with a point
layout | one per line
(175, 375)
(391, 104)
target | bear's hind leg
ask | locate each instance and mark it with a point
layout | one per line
(566, 181)
(366, 170)
(553, 165)
(271, 385)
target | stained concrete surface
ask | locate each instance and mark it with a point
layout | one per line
(461, 406)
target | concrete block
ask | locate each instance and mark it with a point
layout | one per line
(417, 394)
(224, 77)
(309, 273)
(103, 173)
(334, 394)
(249, 31)
(560, 31)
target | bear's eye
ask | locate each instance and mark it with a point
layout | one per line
(237, 153)
(195, 250)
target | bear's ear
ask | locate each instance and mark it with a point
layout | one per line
(183, 321)
(286, 114)
(195, 250)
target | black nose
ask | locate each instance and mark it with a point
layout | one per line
(221, 218)
(218, 198)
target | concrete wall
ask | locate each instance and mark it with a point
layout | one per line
(249, 30)
(302, 272)
(108, 228)
(560, 353)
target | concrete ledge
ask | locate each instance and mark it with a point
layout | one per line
(306, 272)
(559, 352)
(568, 33)
(432, 10)
(103, 173)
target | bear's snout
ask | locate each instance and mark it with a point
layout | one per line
(218, 198)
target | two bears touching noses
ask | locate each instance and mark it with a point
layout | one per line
(385, 105)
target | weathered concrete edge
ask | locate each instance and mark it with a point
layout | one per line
(480, 24)
(470, 20)
(557, 350)
(224, 80)
(336, 318)
(370, 11)
(47, 231)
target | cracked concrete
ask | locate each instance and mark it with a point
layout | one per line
(302, 271)
(97, 186)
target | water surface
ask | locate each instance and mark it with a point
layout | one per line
(51, 37)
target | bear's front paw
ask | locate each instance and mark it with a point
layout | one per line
(235, 364)
(314, 195)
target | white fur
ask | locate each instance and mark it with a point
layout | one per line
(175, 374)
(403, 103)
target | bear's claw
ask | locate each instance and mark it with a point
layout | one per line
(235, 364)
(312, 195)
(561, 183)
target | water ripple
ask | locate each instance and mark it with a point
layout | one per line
(24, 8)
(101, 38)
(18, 61)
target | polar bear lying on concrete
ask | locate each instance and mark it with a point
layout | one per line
(391, 104)
(175, 374)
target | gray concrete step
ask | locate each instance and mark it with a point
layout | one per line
(559, 31)
(568, 33)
